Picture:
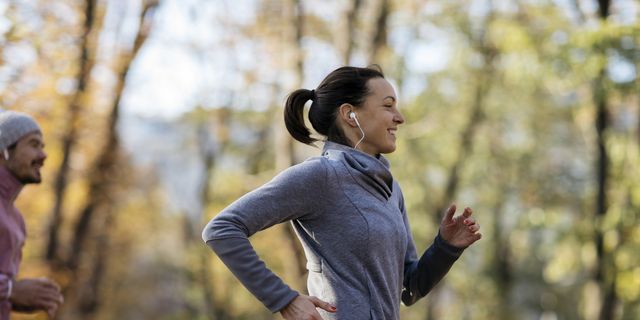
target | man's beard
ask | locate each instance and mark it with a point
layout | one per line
(28, 180)
(32, 178)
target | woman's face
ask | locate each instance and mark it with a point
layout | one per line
(379, 118)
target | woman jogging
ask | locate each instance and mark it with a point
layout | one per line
(347, 210)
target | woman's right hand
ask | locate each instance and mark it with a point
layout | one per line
(304, 308)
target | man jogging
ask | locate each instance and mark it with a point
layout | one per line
(21, 157)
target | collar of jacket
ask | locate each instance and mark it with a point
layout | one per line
(10, 187)
(372, 173)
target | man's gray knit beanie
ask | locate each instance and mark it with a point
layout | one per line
(15, 125)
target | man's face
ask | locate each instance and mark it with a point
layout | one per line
(26, 159)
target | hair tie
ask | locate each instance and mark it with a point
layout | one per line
(313, 95)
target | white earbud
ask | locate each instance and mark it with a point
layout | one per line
(6, 154)
(352, 115)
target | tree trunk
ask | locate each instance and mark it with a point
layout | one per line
(106, 163)
(484, 79)
(609, 302)
(90, 291)
(207, 155)
(212, 309)
(100, 207)
(379, 34)
(606, 281)
(292, 34)
(602, 165)
(603, 9)
(285, 154)
(464, 149)
(69, 139)
(345, 37)
(503, 275)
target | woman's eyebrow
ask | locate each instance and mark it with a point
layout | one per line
(390, 97)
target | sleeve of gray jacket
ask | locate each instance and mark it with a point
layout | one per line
(288, 196)
(420, 276)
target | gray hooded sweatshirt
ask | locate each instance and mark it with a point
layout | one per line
(350, 217)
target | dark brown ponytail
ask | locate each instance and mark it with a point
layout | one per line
(343, 85)
(294, 115)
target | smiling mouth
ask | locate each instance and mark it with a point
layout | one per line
(37, 165)
(392, 131)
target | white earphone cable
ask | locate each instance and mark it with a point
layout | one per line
(361, 131)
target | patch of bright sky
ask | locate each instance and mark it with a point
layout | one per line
(479, 8)
(626, 11)
(17, 54)
(195, 56)
(120, 23)
(322, 52)
(427, 50)
(430, 56)
(184, 47)
(5, 24)
(620, 69)
(186, 62)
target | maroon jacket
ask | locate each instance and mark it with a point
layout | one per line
(12, 236)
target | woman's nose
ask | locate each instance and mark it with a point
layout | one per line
(398, 118)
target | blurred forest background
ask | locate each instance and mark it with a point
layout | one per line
(157, 114)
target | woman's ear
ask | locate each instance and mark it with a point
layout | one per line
(344, 112)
